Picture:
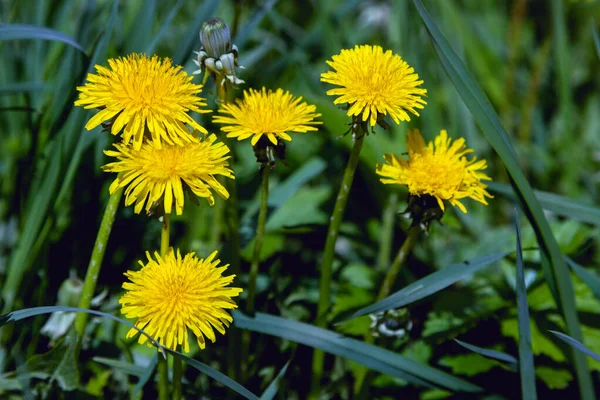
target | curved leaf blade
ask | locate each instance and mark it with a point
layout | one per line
(558, 204)
(589, 278)
(371, 356)
(526, 366)
(271, 391)
(553, 264)
(216, 375)
(577, 345)
(24, 31)
(494, 354)
(430, 284)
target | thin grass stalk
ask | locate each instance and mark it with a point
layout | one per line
(177, 376)
(91, 276)
(328, 256)
(364, 376)
(163, 360)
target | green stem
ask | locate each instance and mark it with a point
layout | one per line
(91, 276)
(219, 207)
(163, 377)
(328, 255)
(387, 231)
(363, 375)
(163, 363)
(177, 376)
(258, 239)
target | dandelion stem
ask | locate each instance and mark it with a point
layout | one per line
(91, 276)
(163, 363)
(363, 375)
(328, 255)
(177, 376)
(219, 208)
(258, 239)
(163, 377)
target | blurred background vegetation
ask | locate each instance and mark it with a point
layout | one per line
(537, 62)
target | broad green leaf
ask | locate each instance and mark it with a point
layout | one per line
(469, 364)
(273, 387)
(371, 356)
(526, 366)
(540, 343)
(555, 269)
(554, 378)
(23, 31)
(430, 284)
(576, 345)
(556, 203)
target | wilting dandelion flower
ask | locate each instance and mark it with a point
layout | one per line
(171, 294)
(156, 173)
(272, 114)
(141, 94)
(439, 169)
(375, 83)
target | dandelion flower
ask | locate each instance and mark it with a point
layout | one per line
(439, 169)
(267, 113)
(154, 172)
(375, 84)
(170, 295)
(142, 93)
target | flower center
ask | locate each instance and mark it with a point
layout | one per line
(439, 176)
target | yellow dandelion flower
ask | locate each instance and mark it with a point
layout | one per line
(375, 84)
(154, 172)
(171, 294)
(439, 169)
(143, 94)
(267, 113)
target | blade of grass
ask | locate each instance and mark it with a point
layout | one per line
(589, 278)
(562, 57)
(371, 356)
(24, 31)
(148, 374)
(577, 345)
(558, 204)
(191, 39)
(429, 285)
(164, 27)
(596, 37)
(21, 87)
(244, 34)
(128, 368)
(494, 354)
(216, 375)
(273, 387)
(140, 31)
(526, 366)
(553, 264)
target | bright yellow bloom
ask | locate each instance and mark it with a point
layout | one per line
(170, 294)
(266, 113)
(439, 169)
(143, 95)
(154, 173)
(375, 84)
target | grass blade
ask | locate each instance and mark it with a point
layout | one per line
(558, 204)
(553, 264)
(271, 391)
(244, 34)
(596, 37)
(164, 28)
(371, 356)
(216, 375)
(147, 375)
(526, 366)
(24, 31)
(141, 30)
(128, 368)
(494, 354)
(589, 278)
(577, 345)
(191, 39)
(429, 285)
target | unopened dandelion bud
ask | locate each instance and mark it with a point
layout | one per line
(218, 56)
(215, 37)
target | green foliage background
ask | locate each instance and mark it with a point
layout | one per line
(536, 61)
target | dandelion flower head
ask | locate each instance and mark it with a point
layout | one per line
(157, 173)
(375, 83)
(171, 295)
(142, 94)
(439, 169)
(272, 114)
